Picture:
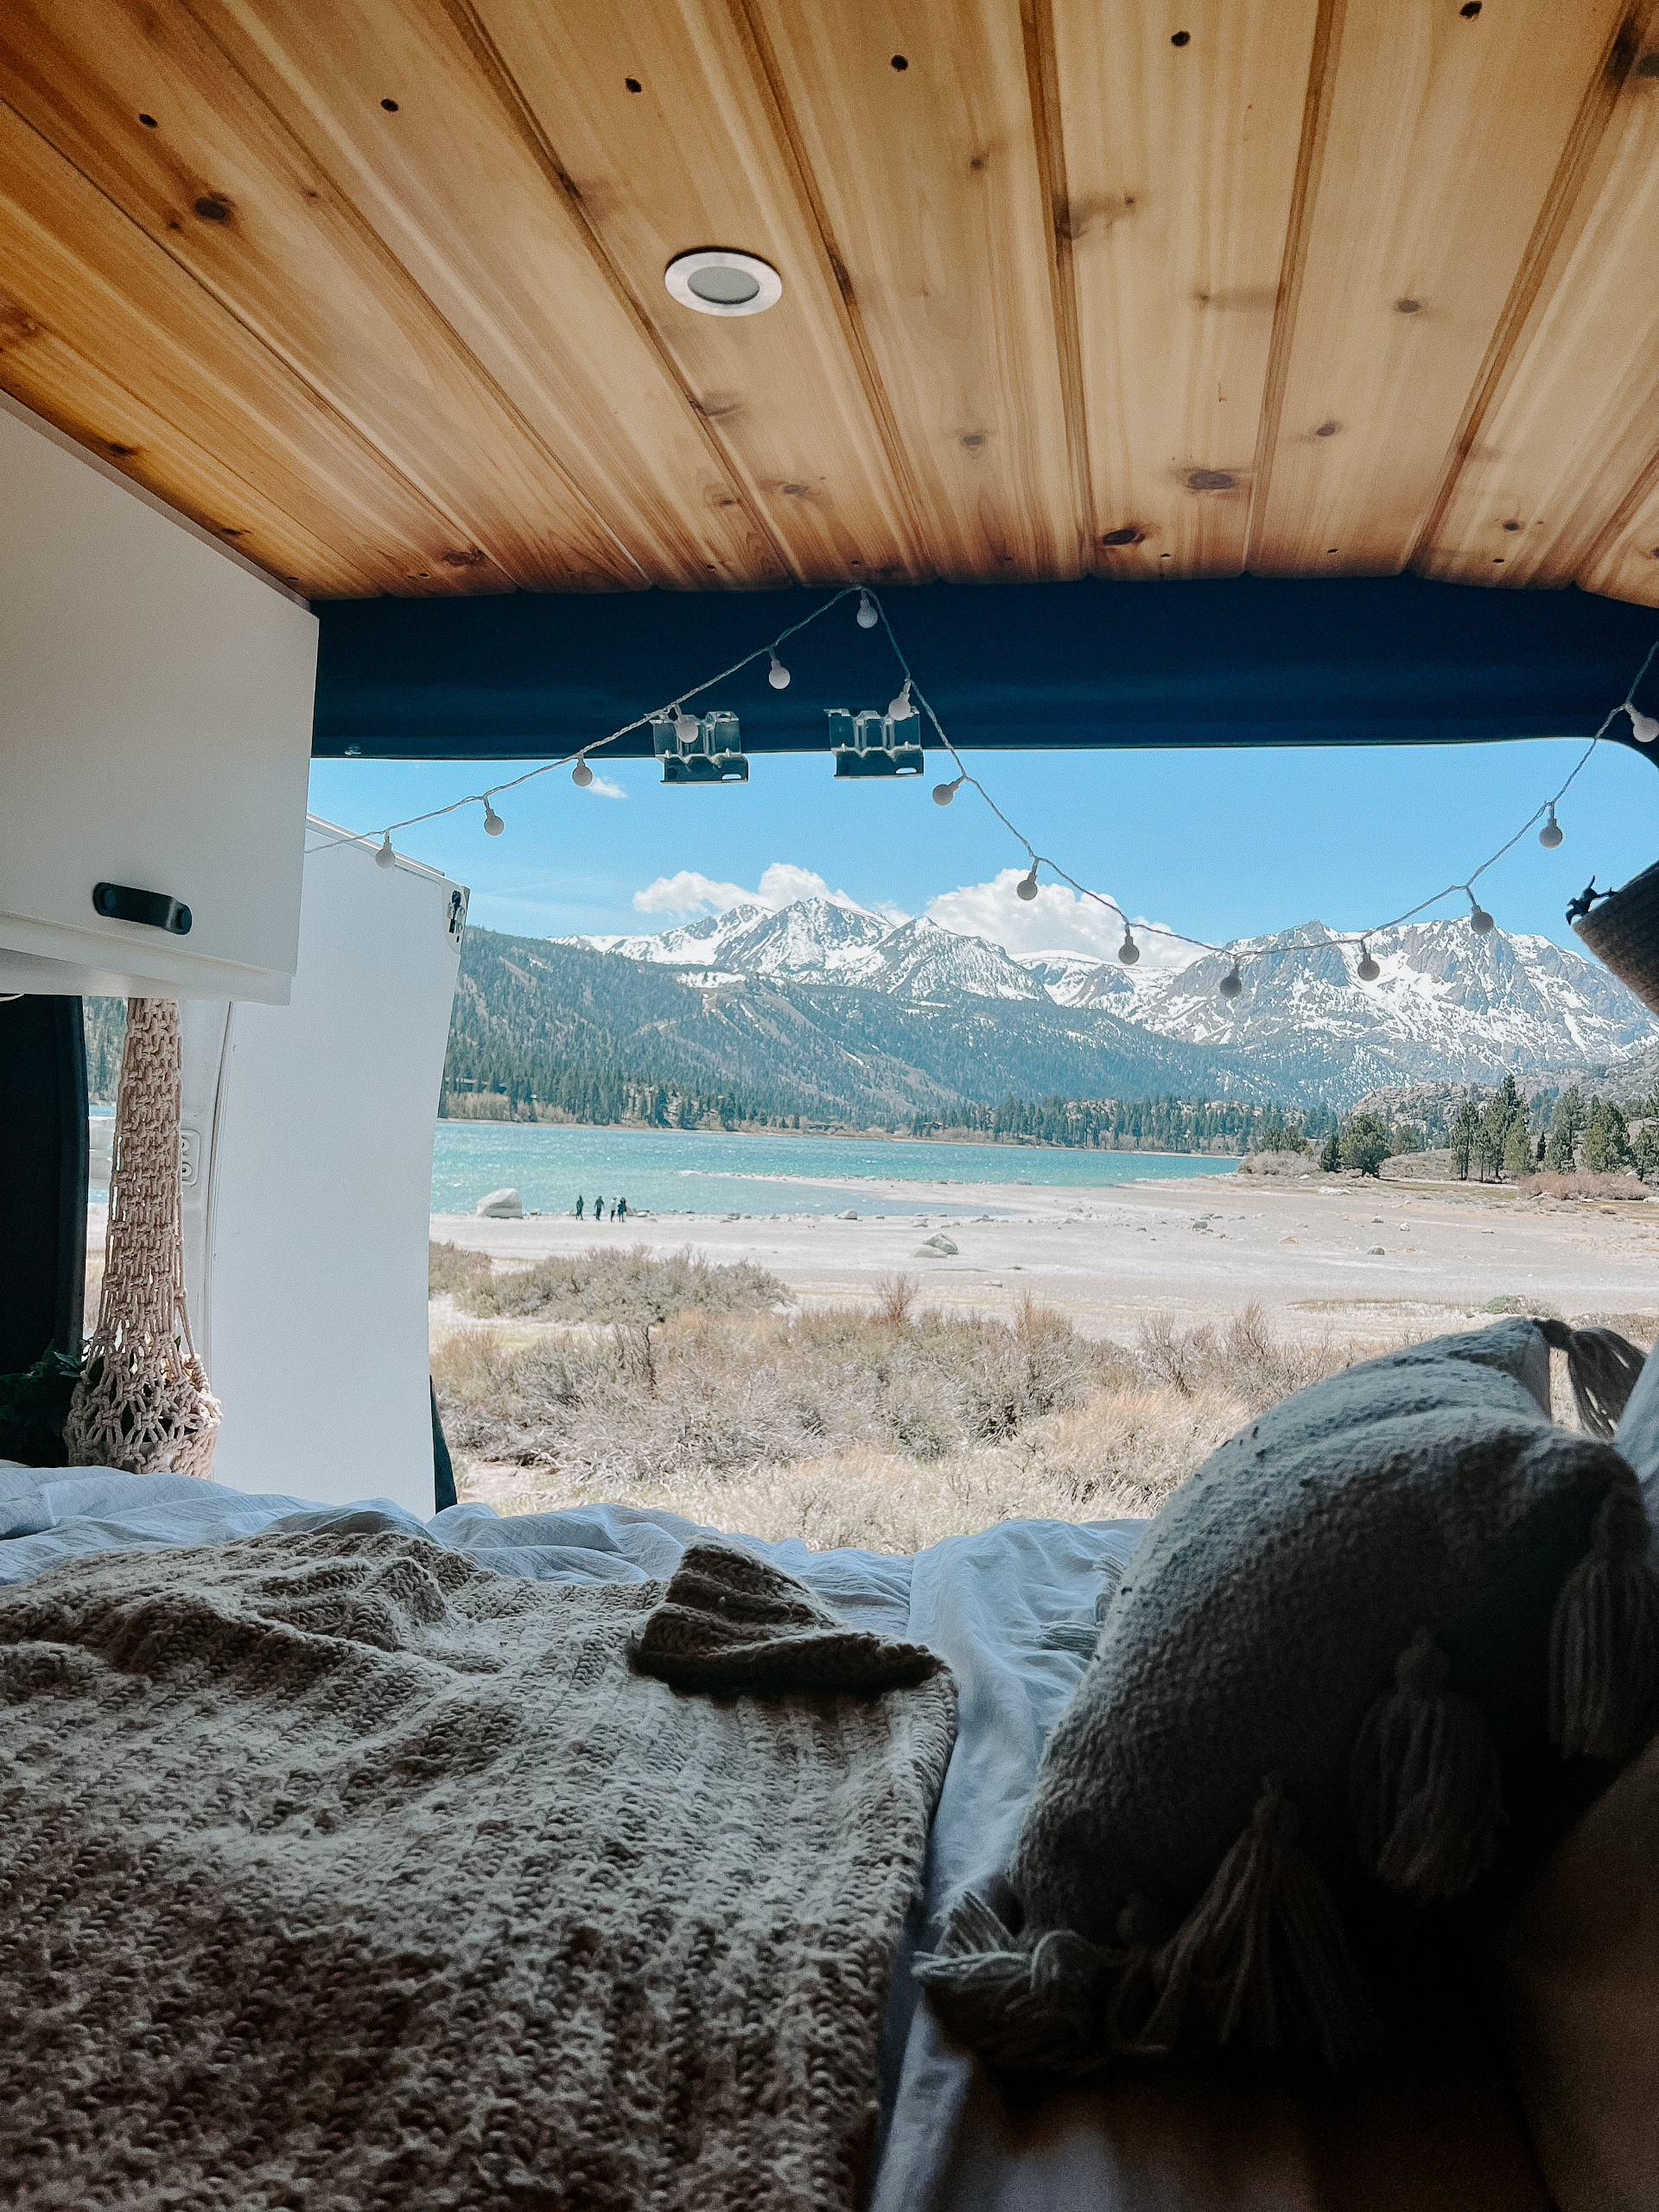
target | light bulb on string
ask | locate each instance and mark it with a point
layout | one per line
(1368, 971)
(1479, 920)
(581, 775)
(1128, 952)
(386, 857)
(1550, 836)
(778, 675)
(1026, 887)
(1231, 983)
(685, 726)
(493, 825)
(899, 708)
(867, 617)
(1643, 725)
(944, 793)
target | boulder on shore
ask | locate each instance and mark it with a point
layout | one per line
(937, 1248)
(501, 1205)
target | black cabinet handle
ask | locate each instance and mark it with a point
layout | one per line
(122, 904)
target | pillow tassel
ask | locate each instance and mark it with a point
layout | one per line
(1133, 1996)
(1030, 2011)
(1262, 1950)
(1424, 1787)
(1601, 1366)
(1603, 1637)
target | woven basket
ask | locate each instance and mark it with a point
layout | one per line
(1622, 933)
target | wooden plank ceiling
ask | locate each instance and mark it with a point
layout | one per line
(1147, 289)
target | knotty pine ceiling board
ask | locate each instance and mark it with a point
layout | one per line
(1180, 168)
(1566, 447)
(247, 452)
(456, 184)
(89, 405)
(697, 157)
(933, 187)
(223, 190)
(1440, 139)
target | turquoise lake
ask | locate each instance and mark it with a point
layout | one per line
(707, 1171)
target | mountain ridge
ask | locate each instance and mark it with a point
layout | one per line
(1447, 1005)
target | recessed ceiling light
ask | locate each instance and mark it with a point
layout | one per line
(718, 282)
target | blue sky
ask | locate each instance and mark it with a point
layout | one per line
(1219, 844)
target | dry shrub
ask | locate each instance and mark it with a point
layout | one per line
(452, 1267)
(607, 1286)
(1580, 1184)
(888, 1429)
(1242, 1359)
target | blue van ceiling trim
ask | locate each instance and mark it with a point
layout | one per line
(1387, 660)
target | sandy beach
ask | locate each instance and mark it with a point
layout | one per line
(1327, 1252)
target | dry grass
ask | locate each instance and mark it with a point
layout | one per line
(607, 1286)
(452, 1267)
(1580, 1184)
(888, 1428)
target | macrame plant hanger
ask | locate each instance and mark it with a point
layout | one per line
(142, 1402)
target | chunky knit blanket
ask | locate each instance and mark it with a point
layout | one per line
(337, 1872)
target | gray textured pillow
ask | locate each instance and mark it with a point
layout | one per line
(1326, 1653)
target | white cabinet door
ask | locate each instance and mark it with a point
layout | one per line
(155, 706)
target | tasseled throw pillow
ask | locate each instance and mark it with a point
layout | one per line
(1328, 1650)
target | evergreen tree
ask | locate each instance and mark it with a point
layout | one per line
(1517, 1151)
(1606, 1140)
(1330, 1157)
(1463, 1132)
(1564, 1125)
(1363, 1143)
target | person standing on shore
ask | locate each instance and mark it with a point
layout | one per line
(622, 1208)
(578, 1205)
(599, 1209)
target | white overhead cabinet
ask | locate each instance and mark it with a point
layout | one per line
(155, 709)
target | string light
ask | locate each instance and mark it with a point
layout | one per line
(870, 613)
(581, 775)
(1368, 971)
(778, 675)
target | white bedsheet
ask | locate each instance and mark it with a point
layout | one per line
(982, 1601)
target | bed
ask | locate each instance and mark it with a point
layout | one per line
(1437, 2126)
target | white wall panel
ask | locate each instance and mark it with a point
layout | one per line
(306, 1236)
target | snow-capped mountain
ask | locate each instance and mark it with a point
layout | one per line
(811, 936)
(1448, 1005)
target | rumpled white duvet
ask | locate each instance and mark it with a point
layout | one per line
(985, 1602)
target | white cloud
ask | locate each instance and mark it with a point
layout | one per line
(602, 787)
(780, 885)
(1055, 920)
